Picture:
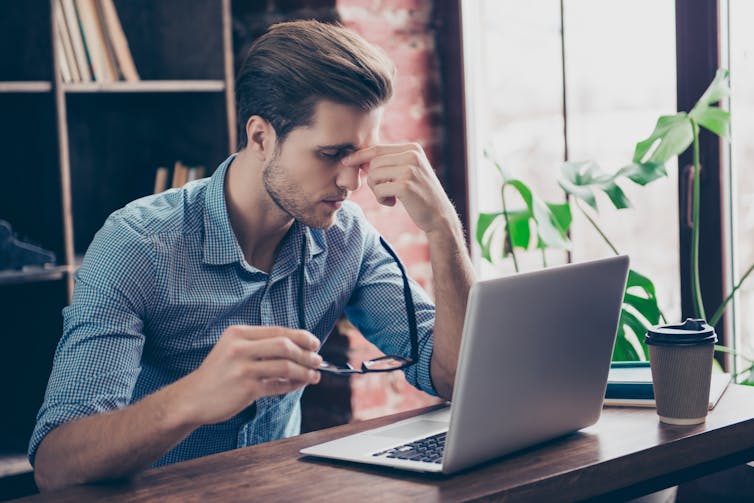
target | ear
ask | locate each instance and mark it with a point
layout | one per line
(261, 136)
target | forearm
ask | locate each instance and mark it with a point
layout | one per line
(453, 276)
(246, 363)
(113, 445)
(403, 172)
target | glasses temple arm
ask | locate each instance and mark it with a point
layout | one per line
(409, 299)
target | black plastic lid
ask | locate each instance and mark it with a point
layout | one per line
(689, 333)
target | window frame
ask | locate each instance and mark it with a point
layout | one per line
(698, 56)
(454, 172)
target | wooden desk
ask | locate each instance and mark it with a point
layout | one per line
(626, 454)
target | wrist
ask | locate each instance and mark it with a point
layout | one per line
(179, 409)
(446, 229)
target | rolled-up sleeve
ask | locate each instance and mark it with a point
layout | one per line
(98, 358)
(377, 308)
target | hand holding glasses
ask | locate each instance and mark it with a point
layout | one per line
(386, 363)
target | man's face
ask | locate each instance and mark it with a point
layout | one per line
(305, 177)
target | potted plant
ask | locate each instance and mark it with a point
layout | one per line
(541, 225)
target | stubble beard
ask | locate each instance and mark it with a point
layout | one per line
(283, 193)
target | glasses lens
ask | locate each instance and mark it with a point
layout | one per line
(387, 363)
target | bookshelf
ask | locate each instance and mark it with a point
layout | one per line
(155, 86)
(25, 87)
(76, 151)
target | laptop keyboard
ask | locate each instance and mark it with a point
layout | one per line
(428, 449)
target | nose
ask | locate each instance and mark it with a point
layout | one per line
(348, 178)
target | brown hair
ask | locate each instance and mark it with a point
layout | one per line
(294, 65)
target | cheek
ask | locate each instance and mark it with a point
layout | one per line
(308, 172)
(302, 184)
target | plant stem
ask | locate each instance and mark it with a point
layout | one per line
(733, 352)
(612, 247)
(508, 228)
(696, 287)
(544, 258)
(720, 310)
(596, 227)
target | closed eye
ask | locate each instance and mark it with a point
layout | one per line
(331, 155)
(334, 155)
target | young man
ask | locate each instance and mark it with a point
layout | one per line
(198, 313)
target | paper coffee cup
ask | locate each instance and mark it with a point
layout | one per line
(680, 357)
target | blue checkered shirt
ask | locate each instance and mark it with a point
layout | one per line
(165, 276)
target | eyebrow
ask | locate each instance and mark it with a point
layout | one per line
(342, 146)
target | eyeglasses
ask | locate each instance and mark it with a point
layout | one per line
(386, 363)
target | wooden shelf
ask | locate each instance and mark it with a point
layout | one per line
(147, 86)
(34, 275)
(144, 86)
(35, 86)
(93, 147)
(14, 463)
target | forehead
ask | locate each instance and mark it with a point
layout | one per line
(342, 125)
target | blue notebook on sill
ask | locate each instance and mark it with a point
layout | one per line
(629, 384)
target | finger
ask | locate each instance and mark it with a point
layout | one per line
(282, 348)
(380, 177)
(402, 158)
(365, 155)
(282, 369)
(387, 193)
(387, 174)
(302, 338)
(272, 387)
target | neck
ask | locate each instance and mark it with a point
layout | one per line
(258, 223)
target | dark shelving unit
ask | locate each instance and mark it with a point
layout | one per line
(75, 152)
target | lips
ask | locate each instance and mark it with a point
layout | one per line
(335, 200)
(334, 203)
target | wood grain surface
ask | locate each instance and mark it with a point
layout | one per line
(627, 453)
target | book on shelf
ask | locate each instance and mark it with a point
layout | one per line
(109, 50)
(74, 32)
(65, 71)
(629, 384)
(103, 41)
(94, 39)
(195, 173)
(117, 40)
(64, 41)
(161, 180)
(182, 174)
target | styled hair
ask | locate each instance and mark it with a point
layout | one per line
(296, 64)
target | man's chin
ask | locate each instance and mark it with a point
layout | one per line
(321, 223)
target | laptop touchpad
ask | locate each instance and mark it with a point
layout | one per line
(413, 429)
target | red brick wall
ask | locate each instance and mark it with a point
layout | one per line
(403, 29)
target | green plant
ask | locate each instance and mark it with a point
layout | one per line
(551, 221)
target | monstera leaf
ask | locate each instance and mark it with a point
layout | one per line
(551, 221)
(550, 229)
(673, 134)
(640, 311)
(642, 173)
(711, 117)
(582, 179)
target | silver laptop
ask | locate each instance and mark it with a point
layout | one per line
(533, 366)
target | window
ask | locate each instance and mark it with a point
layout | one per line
(617, 81)
(741, 183)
